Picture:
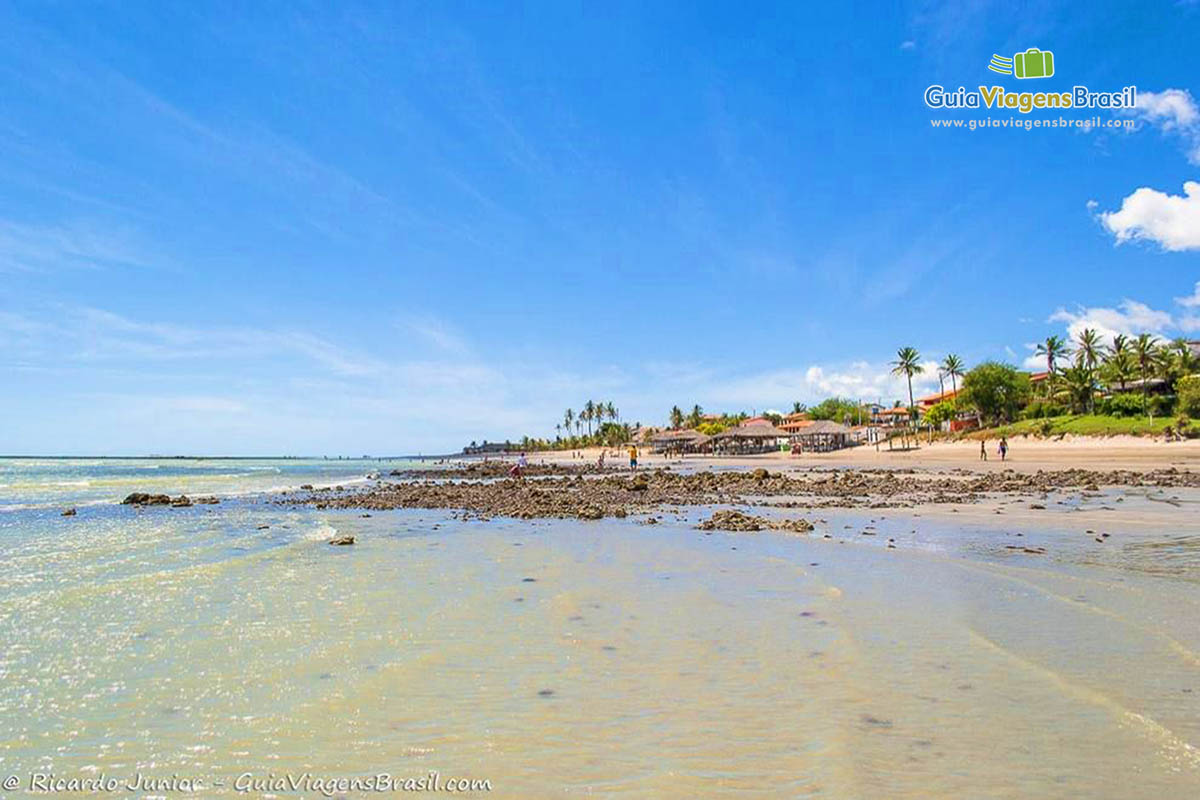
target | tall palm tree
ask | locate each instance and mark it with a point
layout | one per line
(953, 366)
(588, 414)
(1087, 355)
(676, 417)
(568, 420)
(1089, 348)
(1053, 350)
(1143, 352)
(558, 431)
(1118, 361)
(695, 416)
(610, 410)
(908, 363)
(798, 407)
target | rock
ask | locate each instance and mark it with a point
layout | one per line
(181, 502)
(308, 486)
(731, 521)
(591, 512)
(760, 474)
(342, 540)
(207, 501)
(70, 512)
(143, 499)
(639, 483)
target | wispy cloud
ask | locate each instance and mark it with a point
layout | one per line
(1173, 112)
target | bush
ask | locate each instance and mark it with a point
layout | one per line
(1188, 396)
(997, 391)
(1042, 409)
(1121, 405)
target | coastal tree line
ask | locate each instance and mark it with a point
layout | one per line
(1140, 376)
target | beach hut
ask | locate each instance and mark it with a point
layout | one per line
(748, 440)
(679, 442)
(821, 437)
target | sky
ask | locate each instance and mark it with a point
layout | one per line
(387, 228)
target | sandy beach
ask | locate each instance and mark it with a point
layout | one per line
(1025, 455)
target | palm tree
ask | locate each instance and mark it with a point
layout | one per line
(908, 363)
(1088, 356)
(953, 366)
(798, 407)
(588, 413)
(695, 417)
(1090, 348)
(1143, 352)
(1053, 350)
(558, 431)
(1081, 385)
(568, 420)
(676, 418)
(611, 411)
(1119, 361)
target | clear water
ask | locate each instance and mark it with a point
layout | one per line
(644, 661)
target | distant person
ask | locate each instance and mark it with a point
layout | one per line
(632, 457)
(983, 449)
(601, 461)
(1003, 448)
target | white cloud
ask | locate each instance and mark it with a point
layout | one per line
(1172, 111)
(1192, 300)
(1172, 221)
(1130, 317)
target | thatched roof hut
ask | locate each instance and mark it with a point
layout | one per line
(756, 438)
(683, 441)
(820, 437)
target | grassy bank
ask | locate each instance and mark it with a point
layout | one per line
(1082, 425)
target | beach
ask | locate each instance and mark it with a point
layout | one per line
(971, 646)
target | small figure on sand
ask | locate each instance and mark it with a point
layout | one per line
(633, 457)
(1003, 448)
(600, 462)
(983, 449)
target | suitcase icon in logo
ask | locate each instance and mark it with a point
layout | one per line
(1033, 63)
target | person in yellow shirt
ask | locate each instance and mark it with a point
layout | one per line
(632, 457)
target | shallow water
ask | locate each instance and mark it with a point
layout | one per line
(639, 660)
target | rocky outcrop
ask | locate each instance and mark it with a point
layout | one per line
(144, 499)
(70, 512)
(342, 541)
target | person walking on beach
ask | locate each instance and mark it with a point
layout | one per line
(601, 462)
(633, 457)
(1003, 448)
(983, 449)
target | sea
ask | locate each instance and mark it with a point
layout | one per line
(229, 650)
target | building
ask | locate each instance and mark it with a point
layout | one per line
(821, 436)
(748, 440)
(792, 423)
(679, 442)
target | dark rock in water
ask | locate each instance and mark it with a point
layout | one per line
(306, 486)
(143, 499)
(181, 502)
(262, 527)
(342, 540)
(546, 693)
(528, 580)
(639, 483)
(760, 474)
(70, 512)
(207, 501)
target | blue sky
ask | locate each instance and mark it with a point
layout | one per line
(384, 228)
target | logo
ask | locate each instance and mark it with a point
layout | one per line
(1033, 63)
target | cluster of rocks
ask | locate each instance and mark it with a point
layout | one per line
(182, 501)
(737, 521)
(500, 469)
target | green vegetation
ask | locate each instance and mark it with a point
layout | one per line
(838, 409)
(908, 363)
(996, 391)
(1081, 425)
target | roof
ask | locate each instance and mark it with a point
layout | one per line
(678, 436)
(938, 397)
(1035, 377)
(755, 431)
(896, 410)
(756, 421)
(824, 427)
